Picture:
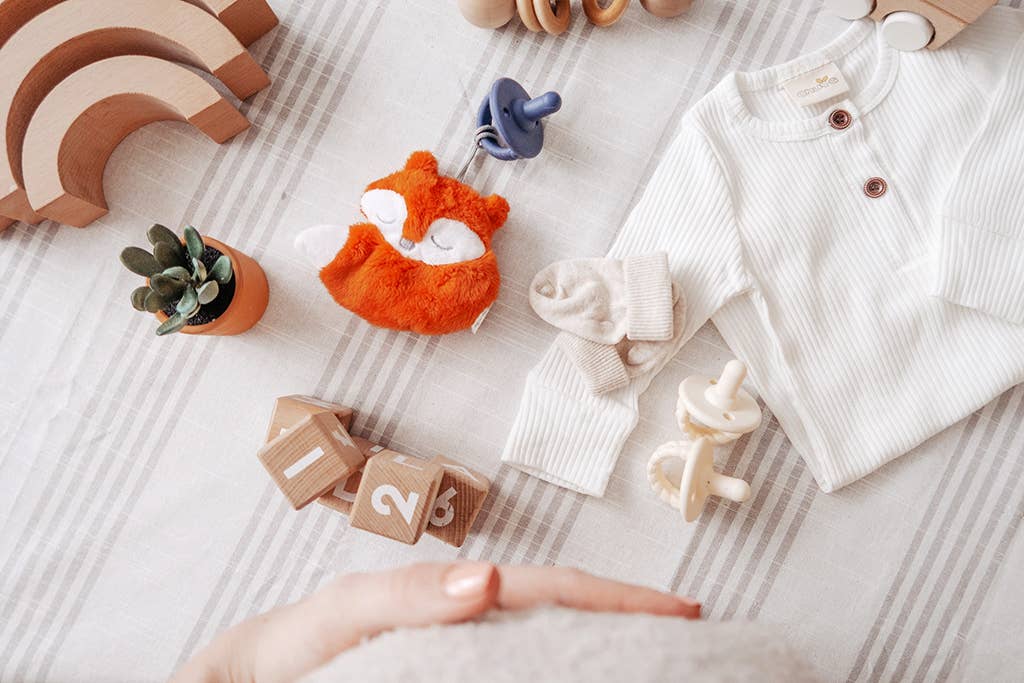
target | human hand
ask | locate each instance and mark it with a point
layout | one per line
(289, 642)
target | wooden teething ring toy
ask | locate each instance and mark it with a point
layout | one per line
(539, 16)
(604, 16)
(528, 16)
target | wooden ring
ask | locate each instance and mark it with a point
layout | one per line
(554, 21)
(528, 16)
(604, 16)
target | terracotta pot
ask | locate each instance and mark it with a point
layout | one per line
(252, 293)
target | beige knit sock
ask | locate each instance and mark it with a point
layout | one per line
(599, 365)
(605, 300)
(644, 356)
(607, 367)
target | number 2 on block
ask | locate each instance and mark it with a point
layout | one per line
(406, 506)
(444, 512)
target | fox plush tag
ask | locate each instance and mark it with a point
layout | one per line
(422, 259)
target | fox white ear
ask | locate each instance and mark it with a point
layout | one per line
(321, 243)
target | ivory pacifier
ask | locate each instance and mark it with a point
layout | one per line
(717, 409)
(710, 412)
(699, 479)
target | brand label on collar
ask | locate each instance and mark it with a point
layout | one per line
(823, 83)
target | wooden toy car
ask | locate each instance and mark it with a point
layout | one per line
(914, 24)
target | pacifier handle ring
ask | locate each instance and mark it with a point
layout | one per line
(660, 483)
(490, 144)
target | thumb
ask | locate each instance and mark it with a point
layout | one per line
(299, 638)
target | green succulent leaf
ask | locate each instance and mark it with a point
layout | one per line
(161, 233)
(154, 302)
(139, 261)
(208, 292)
(171, 325)
(221, 269)
(194, 242)
(170, 254)
(167, 287)
(139, 297)
(178, 273)
(189, 302)
(198, 271)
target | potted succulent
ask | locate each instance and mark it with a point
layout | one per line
(196, 285)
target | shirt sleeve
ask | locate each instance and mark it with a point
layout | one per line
(980, 242)
(568, 436)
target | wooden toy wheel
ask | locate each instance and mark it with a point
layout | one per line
(907, 31)
(604, 16)
(555, 21)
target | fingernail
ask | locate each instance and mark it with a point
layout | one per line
(468, 580)
(690, 607)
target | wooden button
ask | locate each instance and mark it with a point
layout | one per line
(875, 187)
(840, 119)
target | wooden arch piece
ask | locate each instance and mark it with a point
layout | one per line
(247, 19)
(16, 13)
(75, 33)
(79, 124)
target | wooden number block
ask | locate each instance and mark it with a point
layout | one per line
(342, 496)
(396, 496)
(309, 459)
(289, 410)
(458, 502)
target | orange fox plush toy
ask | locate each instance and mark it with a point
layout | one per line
(422, 261)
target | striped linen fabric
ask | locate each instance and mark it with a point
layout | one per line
(136, 521)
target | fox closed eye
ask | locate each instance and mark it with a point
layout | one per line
(384, 208)
(439, 245)
(450, 241)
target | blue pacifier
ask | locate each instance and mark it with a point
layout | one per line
(509, 123)
(517, 119)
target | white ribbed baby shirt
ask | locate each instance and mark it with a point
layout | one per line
(868, 324)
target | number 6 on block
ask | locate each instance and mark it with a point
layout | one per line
(396, 495)
(463, 494)
(444, 511)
